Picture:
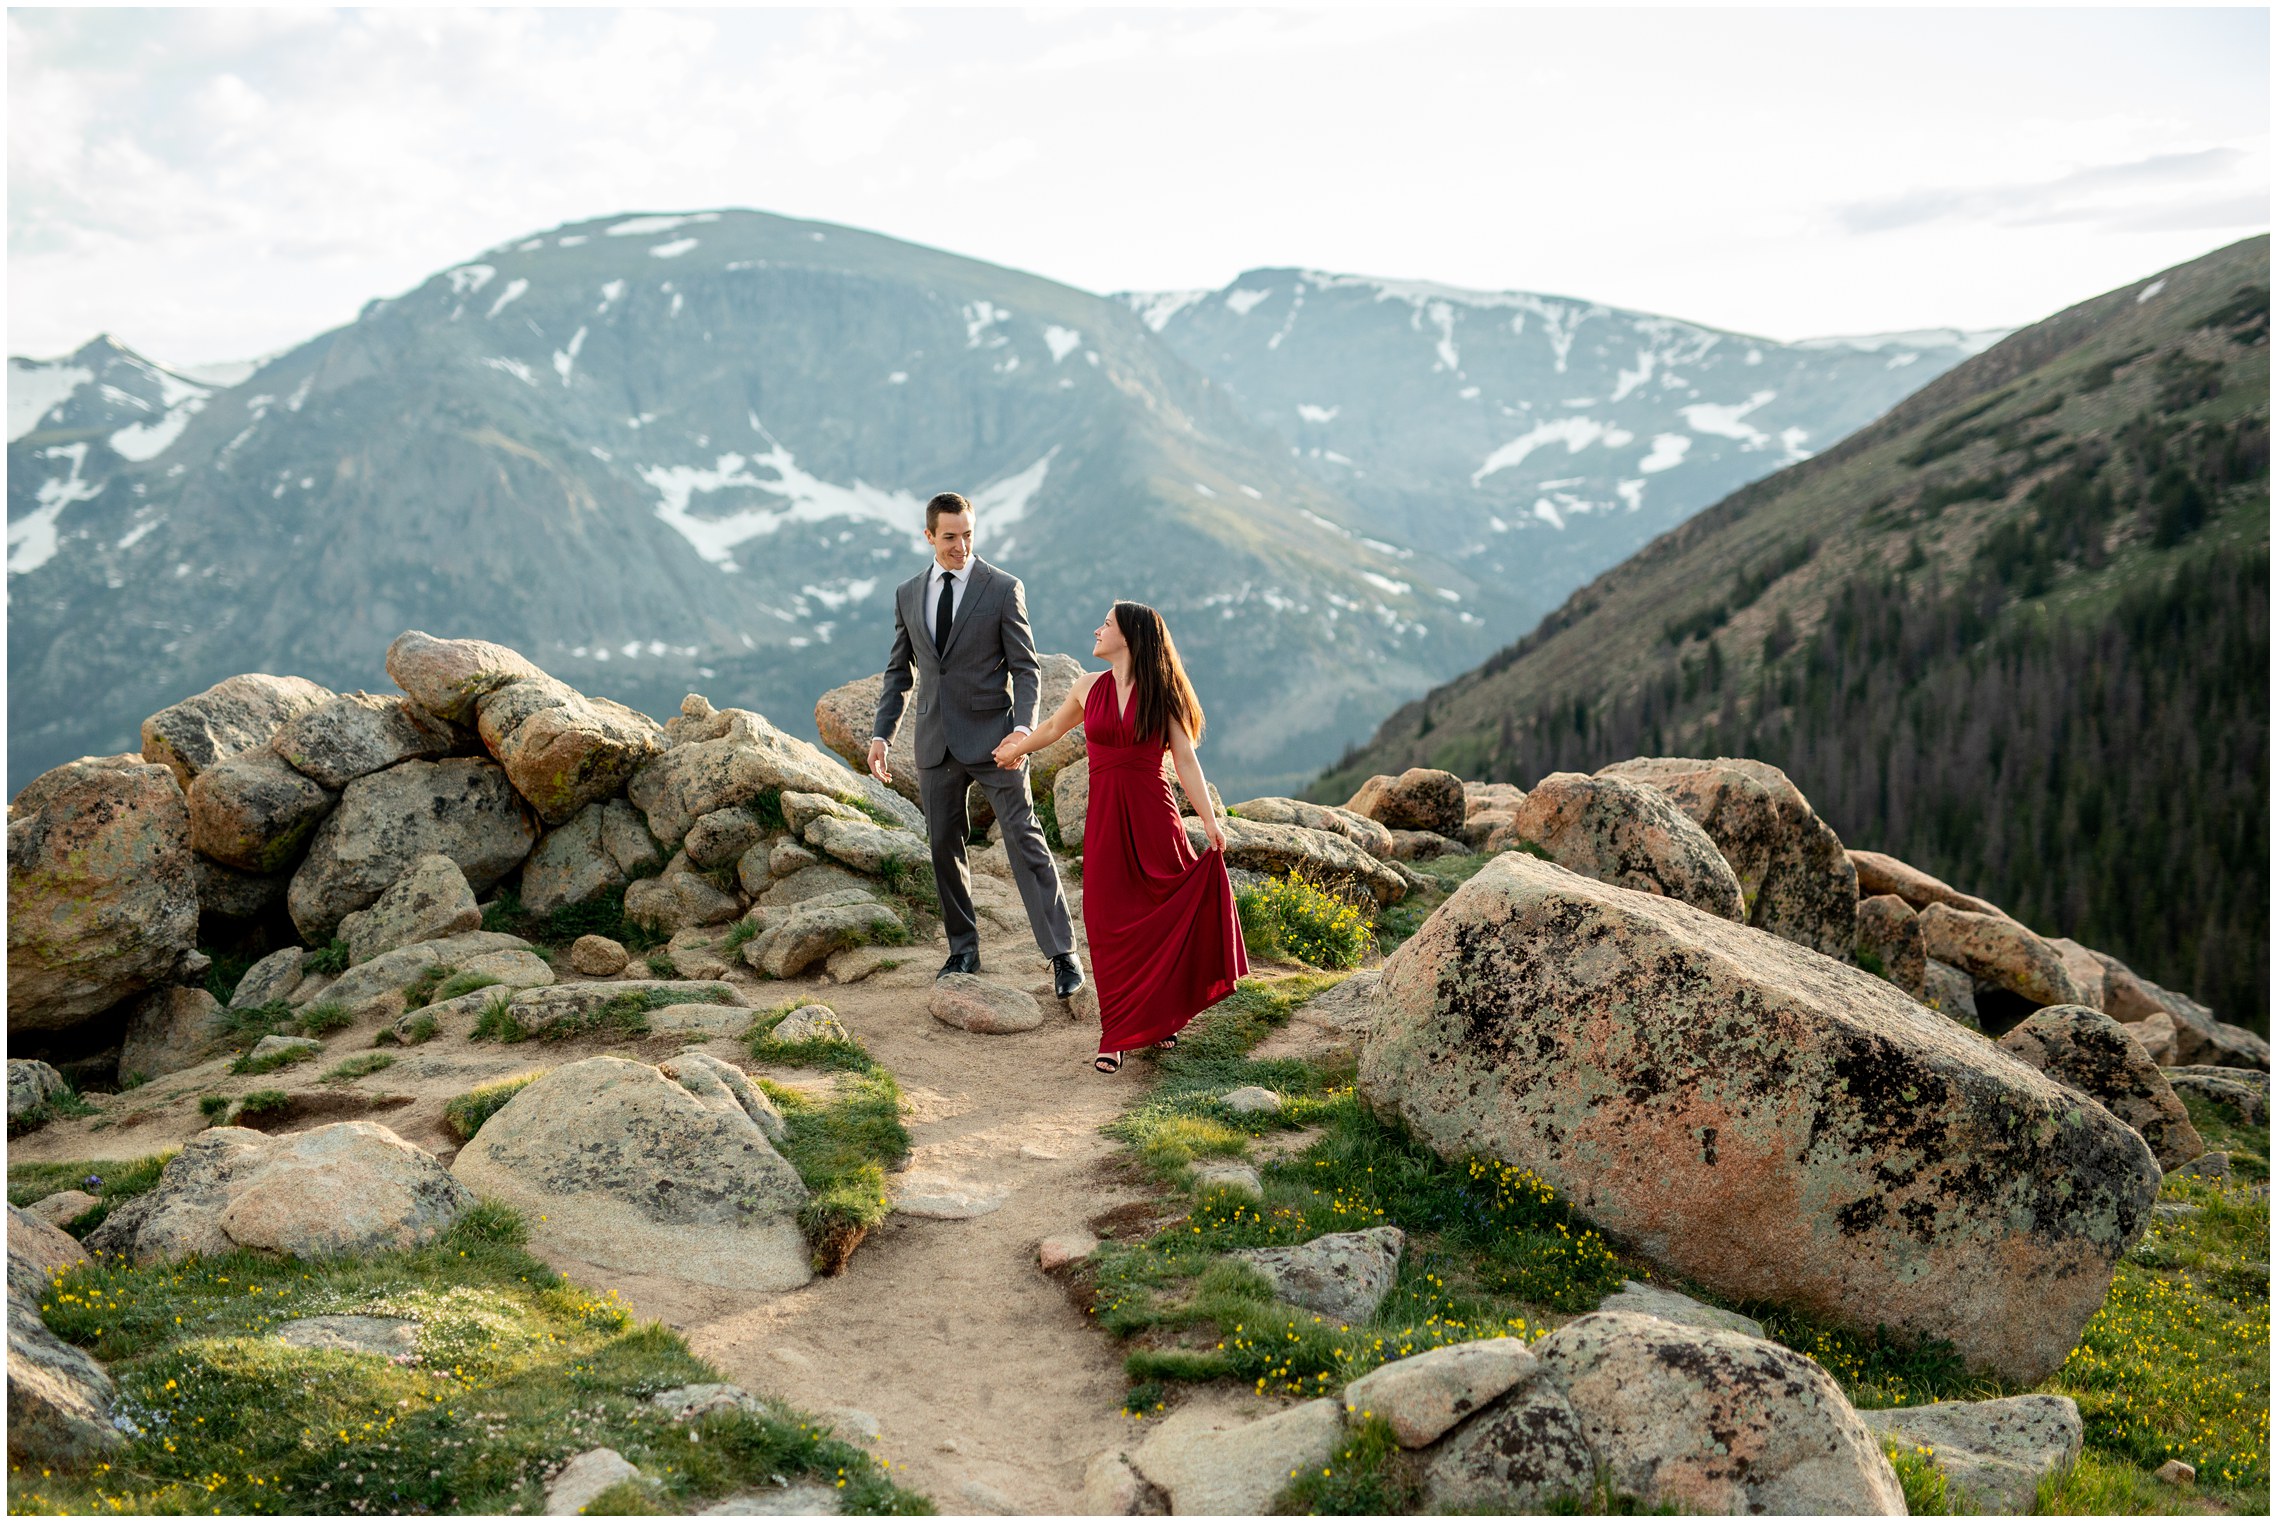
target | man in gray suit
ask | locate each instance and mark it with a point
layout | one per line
(960, 628)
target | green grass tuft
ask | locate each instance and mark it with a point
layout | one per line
(357, 1067)
(271, 1062)
(464, 1114)
(1368, 1475)
(330, 958)
(108, 1180)
(322, 1017)
(463, 983)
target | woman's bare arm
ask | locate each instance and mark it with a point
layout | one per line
(1064, 718)
(1197, 787)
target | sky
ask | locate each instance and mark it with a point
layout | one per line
(211, 185)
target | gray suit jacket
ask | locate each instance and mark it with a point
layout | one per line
(973, 694)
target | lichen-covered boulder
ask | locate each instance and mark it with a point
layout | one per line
(598, 956)
(273, 977)
(447, 678)
(1210, 1463)
(59, 1397)
(791, 940)
(603, 846)
(1890, 932)
(1631, 835)
(102, 900)
(720, 838)
(621, 1165)
(677, 898)
(1993, 1453)
(716, 759)
(1768, 1122)
(350, 1188)
(254, 813)
(2200, 1038)
(1715, 1421)
(31, 1084)
(353, 735)
(1342, 1275)
(236, 714)
(1420, 1397)
(2088, 1051)
(464, 809)
(1994, 949)
(1879, 873)
(1421, 798)
(376, 988)
(1792, 870)
(867, 846)
(1525, 1452)
(561, 749)
(172, 1028)
(430, 901)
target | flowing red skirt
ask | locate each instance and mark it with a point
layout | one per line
(1165, 937)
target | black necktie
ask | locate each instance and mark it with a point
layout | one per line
(941, 611)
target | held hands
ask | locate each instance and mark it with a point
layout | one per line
(878, 767)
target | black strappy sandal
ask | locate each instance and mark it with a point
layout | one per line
(1108, 1063)
(1168, 1043)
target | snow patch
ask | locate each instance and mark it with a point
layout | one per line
(35, 387)
(1156, 308)
(2151, 290)
(1242, 300)
(1968, 340)
(514, 288)
(980, 316)
(1631, 492)
(1629, 380)
(1728, 420)
(1547, 512)
(674, 249)
(565, 360)
(1062, 341)
(1576, 434)
(1386, 584)
(635, 227)
(1312, 414)
(570, 240)
(32, 539)
(469, 278)
(147, 441)
(1668, 451)
(611, 294)
(514, 368)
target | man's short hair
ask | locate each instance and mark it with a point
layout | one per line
(946, 502)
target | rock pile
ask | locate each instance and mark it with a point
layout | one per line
(382, 822)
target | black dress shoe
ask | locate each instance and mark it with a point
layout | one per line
(1067, 975)
(960, 962)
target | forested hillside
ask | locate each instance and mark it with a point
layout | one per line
(2016, 633)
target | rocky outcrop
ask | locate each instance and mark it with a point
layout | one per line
(356, 734)
(234, 715)
(1949, 992)
(1798, 882)
(1630, 835)
(2200, 1038)
(1993, 1453)
(375, 988)
(1421, 798)
(1890, 933)
(447, 678)
(2088, 1051)
(430, 901)
(1716, 1422)
(561, 749)
(1882, 874)
(350, 1188)
(1488, 812)
(2090, 974)
(678, 898)
(1994, 949)
(866, 846)
(101, 898)
(463, 809)
(790, 941)
(170, 1029)
(2244, 1090)
(253, 812)
(1375, 839)
(603, 846)
(1767, 1122)
(1278, 850)
(1342, 1275)
(620, 1165)
(715, 759)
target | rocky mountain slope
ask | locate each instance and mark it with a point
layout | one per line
(1534, 440)
(2016, 631)
(663, 451)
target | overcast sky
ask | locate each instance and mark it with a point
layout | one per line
(211, 185)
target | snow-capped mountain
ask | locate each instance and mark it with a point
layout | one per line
(1533, 440)
(690, 451)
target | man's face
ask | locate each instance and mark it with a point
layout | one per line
(951, 539)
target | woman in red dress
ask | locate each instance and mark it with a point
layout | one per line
(1165, 937)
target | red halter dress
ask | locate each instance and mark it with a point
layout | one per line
(1165, 937)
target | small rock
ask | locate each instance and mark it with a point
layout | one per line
(677, 898)
(598, 956)
(852, 1423)
(1239, 1178)
(865, 845)
(2165, 1210)
(1421, 798)
(1056, 1253)
(1251, 1099)
(787, 857)
(811, 1023)
(1238, 1470)
(1659, 1301)
(2207, 1166)
(1423, 1396)
(687, 1403)
(2177, 1472)
(63, 1207)
(694, 953)
(850, 965)
(792, 940)
(803, 1499)
(291, 1049)
(586, 1477)
(2088, 1051)
(384, 1336)
(31, 1084)
(718, 838)
(974, 1004)
(987, 1500)
(272, 978)
(1993, 1453)
(1344, 1275)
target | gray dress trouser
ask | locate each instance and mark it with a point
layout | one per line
(946, 821)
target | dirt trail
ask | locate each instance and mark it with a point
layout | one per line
(990, 1388)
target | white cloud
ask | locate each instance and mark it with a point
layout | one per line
(210, 183)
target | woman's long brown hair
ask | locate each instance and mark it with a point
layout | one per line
(1164, 693)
